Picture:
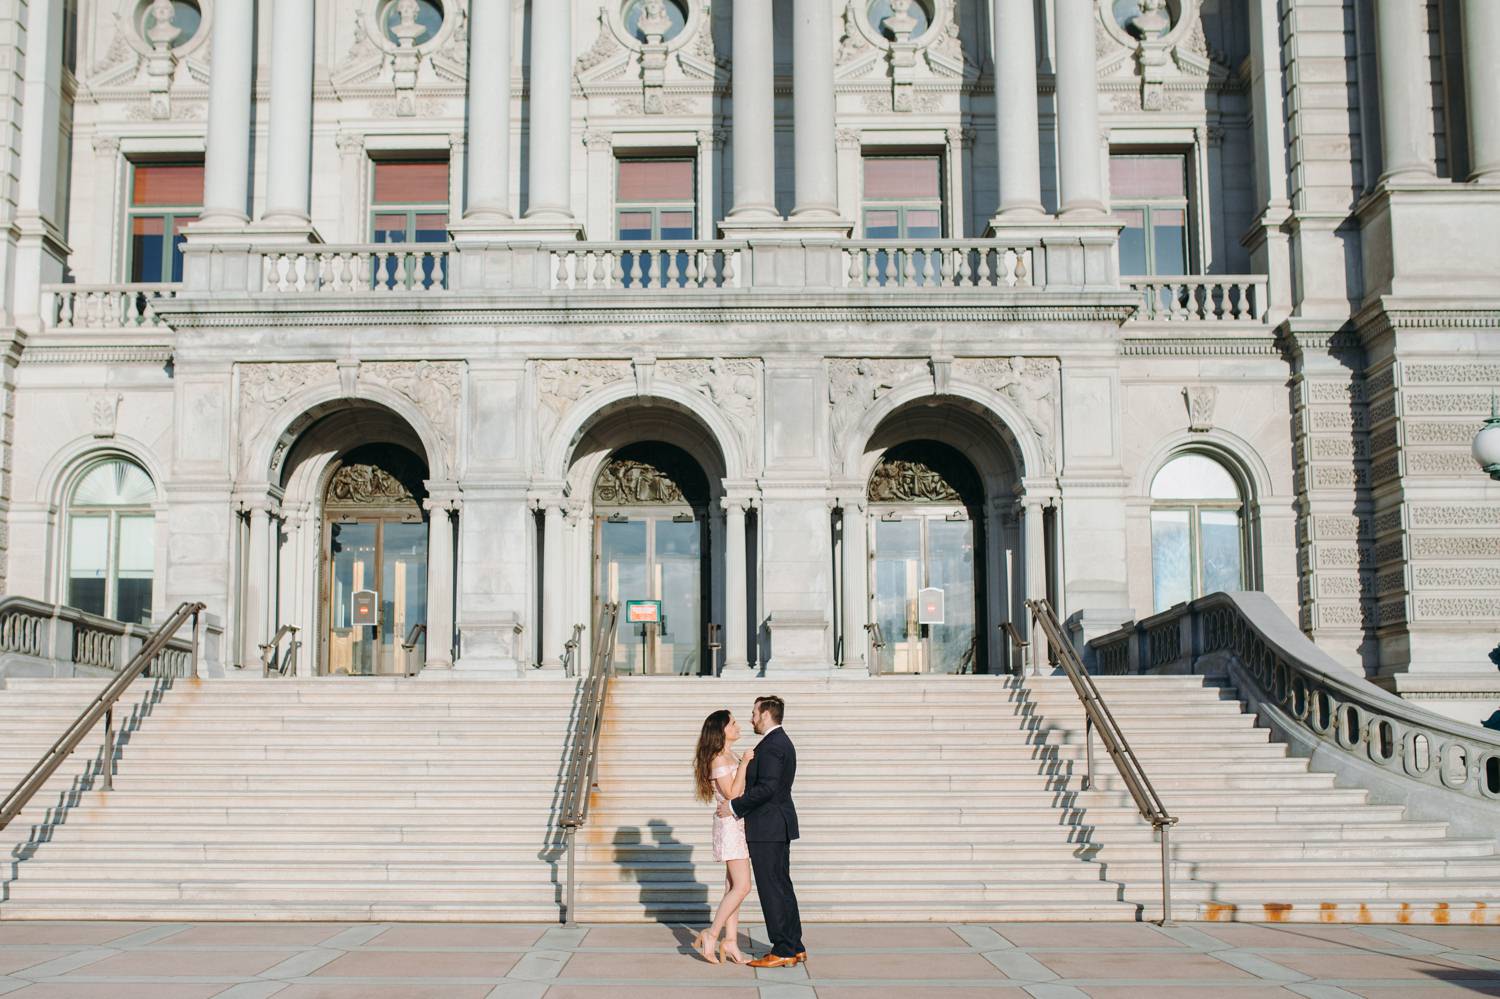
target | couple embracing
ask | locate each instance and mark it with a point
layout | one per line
(754, 825)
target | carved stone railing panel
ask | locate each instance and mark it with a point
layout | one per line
(103, 306)
(1227, 299)
(914, 265)
(668, 266)
(1379, 740)
(46, 639)
(373, 268)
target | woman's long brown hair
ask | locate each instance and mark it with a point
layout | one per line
(710, 745)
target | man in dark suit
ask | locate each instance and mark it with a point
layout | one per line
(770, 826)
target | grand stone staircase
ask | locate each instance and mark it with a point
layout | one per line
(947, 798)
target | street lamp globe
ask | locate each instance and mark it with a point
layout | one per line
(1486, 448)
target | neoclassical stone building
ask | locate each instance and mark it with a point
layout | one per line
(837, 327)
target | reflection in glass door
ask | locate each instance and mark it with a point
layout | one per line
(915, 551)
(651, 556)
(377, 594)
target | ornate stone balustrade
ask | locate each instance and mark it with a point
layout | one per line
(40, 639)
(933, 264)
(369, 268)
(1225, 298)
(103, 306)
(1343, 723)
(662, 266)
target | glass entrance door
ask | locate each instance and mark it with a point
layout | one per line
(377, 595)
(654, 556)
(916, 551)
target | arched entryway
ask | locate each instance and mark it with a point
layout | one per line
(360, 556)
(927, 579)
(931, 553)
(641, 516)
(651, 547)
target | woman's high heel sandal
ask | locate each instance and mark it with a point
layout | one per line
(701, 945)
(723, 956)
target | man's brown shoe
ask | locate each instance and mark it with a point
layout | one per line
(801, 957)
(774, 961)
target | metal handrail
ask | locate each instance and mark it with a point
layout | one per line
(1018, 646)
(1098, 716)
(570, 651)
(284, 664)
(101, 707)
(583, 744)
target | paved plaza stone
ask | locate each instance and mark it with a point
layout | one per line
(117, 960)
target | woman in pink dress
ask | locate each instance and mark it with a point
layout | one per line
(720, 777)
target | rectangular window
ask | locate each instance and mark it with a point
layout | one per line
(903, 197)
(164, 199)
(1149, 193)
(655, 200)
(409, 204)
(88, 563)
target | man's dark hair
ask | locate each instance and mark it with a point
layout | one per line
(773, 706)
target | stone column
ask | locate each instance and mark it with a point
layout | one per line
(1482, 84)
(736, 581)
(754, 119)
(1036, 574)
(226, 173)
(856, 586)
(550, 166)
(1405, 91)
(289, 159)
(259, 584)
(40, 253)
(439, 585)
(488, 199)
(1016, 130)
(1080, 188)
(1270, 248)
(554, 585)
(813, 117)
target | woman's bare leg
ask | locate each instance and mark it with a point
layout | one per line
(739, 883)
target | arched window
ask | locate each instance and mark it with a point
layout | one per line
(1197, 530)
(111, 532)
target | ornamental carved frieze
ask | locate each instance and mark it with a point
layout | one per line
(1031, 385)
(856, 384)
(434, 387)
(561, 384)
(367, 485)
(265, 388)
(907, 481)
(733, 385)
(626, 482)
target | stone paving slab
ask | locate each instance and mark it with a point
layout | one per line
(104, 960)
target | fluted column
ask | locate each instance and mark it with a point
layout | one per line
(1015, 110)
(289, 163)
(856, 586)
(754, 112)
(490, 29)
(736, 581)
(816, 157)
(1079, 181)
(554, 586)
(1036, 576)
(1405, 91)
(1481, 42)
(226, 173)
(439, 586)
(549, 169)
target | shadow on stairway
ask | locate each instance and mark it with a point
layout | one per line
(88, 779)
(664, 900)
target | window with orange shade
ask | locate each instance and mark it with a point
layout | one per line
(164, 199)
(410, 202)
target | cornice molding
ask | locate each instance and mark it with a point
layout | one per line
(96, 355)
(1261, 345)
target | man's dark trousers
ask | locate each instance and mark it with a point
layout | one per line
(771, 862)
